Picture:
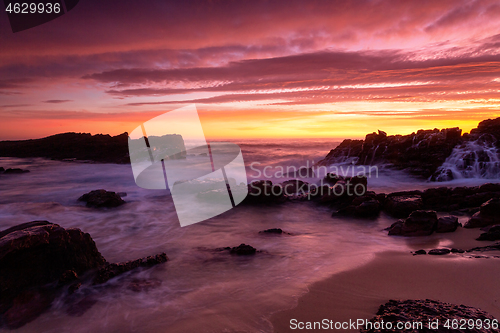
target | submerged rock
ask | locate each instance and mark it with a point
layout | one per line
(419, 223)
(102, 198)
(426, 311)
(109, 271)
(243, 249)
(275, 231)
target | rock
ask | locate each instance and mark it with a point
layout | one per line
(439, 252)
(454, 250)
(122, 194)
(492, 234)
(402, 205)
(80, 146)
(38, 258)
(294, 186)
(426, 311)
(332, 178)
(348, 150)
(14, 171)
(102, 198)
(419, 223)
(487, 215)
(2, 169)
(447, 224)
(243, 249)
(276, 231)
(263, 191)
(419, 252)
(365, 207)
(46, 251)
(109, 271)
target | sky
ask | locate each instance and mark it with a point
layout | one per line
(254, 69)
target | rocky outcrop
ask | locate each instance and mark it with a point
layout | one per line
(78, 146)
(38, 258)
(35, 254)
(420, 153)
(101, 198)
(487, 215)
(419, 223)
(428, 311)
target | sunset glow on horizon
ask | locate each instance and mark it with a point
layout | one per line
(261, 69)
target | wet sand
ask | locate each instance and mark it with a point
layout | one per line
(357, 294)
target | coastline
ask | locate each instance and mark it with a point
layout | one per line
(358, 293)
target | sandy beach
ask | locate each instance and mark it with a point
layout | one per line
(357, 294)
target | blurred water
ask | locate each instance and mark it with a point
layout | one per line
(201, 290)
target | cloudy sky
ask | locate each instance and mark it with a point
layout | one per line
(254, 69)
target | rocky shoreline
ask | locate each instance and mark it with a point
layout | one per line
(421, 153)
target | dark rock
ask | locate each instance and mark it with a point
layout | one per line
(426, 311)
(15, 171)
(2, 169)
(439, 252)
(109, 271)
(346, 151)
(492, 234)
(38, 258)
(419, 252)
(454, 250)
(293, 186)
(263, 191)
(79, 146)
(402, 205)
(46, 251)
(447, 224)
(365, 207)
(487, 215)
(102, 198)
(332, 178)
(419, 223)
(276, 231)
(243, 249)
